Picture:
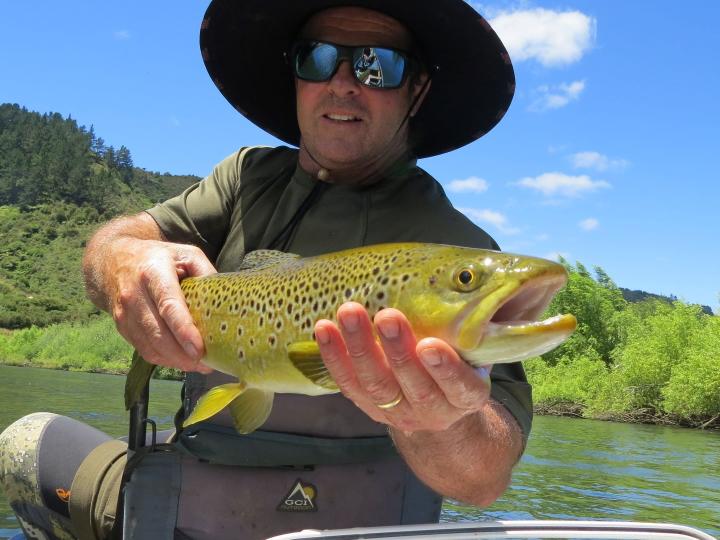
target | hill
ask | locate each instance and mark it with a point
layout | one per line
(58, 183)
(640, 296)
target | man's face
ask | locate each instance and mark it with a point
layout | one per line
(342, 122)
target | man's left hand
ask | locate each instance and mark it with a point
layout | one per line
(409, 385)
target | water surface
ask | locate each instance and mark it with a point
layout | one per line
(572, 469)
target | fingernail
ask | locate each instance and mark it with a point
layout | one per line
(389, 328)
(484, 373)
(350, 322)
(191, 351)
(431, 357)
(322, 336)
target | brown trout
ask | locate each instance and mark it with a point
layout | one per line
(257, 323)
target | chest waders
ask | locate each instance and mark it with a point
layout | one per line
(213, 483)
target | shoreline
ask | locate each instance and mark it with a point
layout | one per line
(563, 409)
(641, 416)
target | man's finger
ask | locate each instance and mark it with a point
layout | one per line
(367, 357)
(194, 263)
(462, 386)
(164, 291)
(399, 344)
(335, 356)
(156, 343)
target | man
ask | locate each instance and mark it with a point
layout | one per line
(440, 79)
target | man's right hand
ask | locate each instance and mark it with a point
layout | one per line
(136, 276)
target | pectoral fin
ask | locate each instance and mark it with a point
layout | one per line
(137, 379)
(251, 409)
(305, 356)
(214, 401)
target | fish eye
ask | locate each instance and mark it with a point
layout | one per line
(466, 279)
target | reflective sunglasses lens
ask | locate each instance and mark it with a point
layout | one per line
(315, 61)
(378, 67)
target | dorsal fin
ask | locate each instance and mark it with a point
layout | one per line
(262, 258)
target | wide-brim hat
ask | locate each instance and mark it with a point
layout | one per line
(243, 43)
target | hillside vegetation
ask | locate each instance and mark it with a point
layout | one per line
(58, 182)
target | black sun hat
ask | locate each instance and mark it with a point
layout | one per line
(244, 42)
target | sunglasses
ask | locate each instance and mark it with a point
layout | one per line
(376, 67)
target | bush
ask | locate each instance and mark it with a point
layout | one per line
(693, 389)
(571, 381)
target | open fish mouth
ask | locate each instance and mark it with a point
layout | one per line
(511, 332)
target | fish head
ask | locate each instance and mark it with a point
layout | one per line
(486, 304)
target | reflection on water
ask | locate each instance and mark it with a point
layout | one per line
(573, 469)
(584, 469)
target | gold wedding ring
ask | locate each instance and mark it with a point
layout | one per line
(393, 403)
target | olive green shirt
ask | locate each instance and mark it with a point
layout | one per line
(259, 198)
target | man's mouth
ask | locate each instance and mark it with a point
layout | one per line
(342, 117)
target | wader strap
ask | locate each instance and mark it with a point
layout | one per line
(420, 504)
(94, 490)
(151, 495)
(223, 446)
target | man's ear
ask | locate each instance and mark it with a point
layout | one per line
(420, 86)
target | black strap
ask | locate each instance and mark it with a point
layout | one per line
(148, 503)
(223, 446)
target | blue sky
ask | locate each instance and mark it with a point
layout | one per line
(607, 155)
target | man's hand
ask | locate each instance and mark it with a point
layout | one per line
(455, 438)
(434, 386)
(135, 276)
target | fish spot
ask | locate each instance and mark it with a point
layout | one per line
(223, 327)
(239, 331)
(272, 340)
(380, 295)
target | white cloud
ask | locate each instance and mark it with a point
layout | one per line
(472, 184)
(557, 96)
(553, 38)
(498, 220)
(597, 161)
(589, 224)
(555, 183)
(121, 34)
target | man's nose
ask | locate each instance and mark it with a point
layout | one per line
(343, 82)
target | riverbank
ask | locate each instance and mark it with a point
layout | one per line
(640, 416)
(558, 409)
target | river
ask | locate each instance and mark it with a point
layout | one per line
(572, 469)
